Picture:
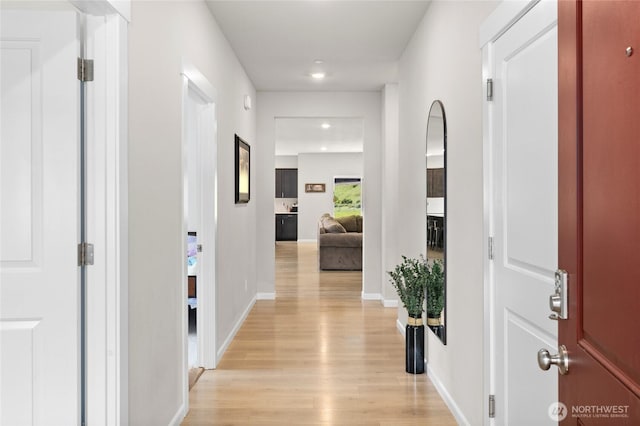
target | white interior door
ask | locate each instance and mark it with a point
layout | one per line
(524, 215)
(39, 281)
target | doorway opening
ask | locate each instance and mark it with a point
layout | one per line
(314, 156)
(192, 302)
(199, 227)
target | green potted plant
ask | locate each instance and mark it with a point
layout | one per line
(435, 297)
(410, 279)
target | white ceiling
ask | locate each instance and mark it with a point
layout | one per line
(359, 43)
(306, 135)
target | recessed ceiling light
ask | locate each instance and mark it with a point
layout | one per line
(324, 148)
(318, 75)
(325, 125)
(318, 61)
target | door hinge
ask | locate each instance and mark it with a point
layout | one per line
(85, 254)
(492, 406)
(85, 69)
(489, 89)
(199, 248)
(490, 248)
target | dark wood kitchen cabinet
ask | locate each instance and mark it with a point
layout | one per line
(435, 182)
(286, 183)
(286, 227)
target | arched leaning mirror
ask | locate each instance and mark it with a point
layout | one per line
(436, 219)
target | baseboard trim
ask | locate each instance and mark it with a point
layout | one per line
(442, 390)
(179, 416)
(308, 241)
(446, 397)
(390, 303)
(235, 330)
(266, 296)
(371, 296)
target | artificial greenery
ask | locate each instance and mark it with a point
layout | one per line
(412, 279)
(435, 290)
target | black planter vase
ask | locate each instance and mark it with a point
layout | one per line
(434, 324)
(414, 348)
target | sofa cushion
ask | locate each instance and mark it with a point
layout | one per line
(350, 223)
(348, 239)
(332, 226)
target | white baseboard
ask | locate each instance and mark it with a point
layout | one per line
(371, 296)
(266, 296)
(390, 303)
(308, 241)
(437, 383)
(179, 416)
(446, 397)
(235, 329)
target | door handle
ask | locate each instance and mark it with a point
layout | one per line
(561, 360)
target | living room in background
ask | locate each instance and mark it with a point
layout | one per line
(318, 153)
(347, 196)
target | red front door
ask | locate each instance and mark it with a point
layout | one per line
(599, 209)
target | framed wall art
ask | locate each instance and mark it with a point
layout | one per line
(243, 171)
(314, 187)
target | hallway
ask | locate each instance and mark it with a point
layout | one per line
(318, 355)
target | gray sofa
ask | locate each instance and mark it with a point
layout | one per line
(340, 243)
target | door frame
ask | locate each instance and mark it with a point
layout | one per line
(105, 41)
(496, 24)
(194, 81)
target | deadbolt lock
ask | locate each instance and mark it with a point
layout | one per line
(558, 301)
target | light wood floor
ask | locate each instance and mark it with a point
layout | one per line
(318, 355)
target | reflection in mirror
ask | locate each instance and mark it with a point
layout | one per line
(436, 220)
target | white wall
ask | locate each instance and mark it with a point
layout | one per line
(390, 202)
(435, 161)
(365, 105)
(321, 168)
(162, 35)
(443, 62)
(286, 162)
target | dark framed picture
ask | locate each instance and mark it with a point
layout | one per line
(314, 187)
(243, 167)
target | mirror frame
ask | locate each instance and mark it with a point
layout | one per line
(440, 105)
